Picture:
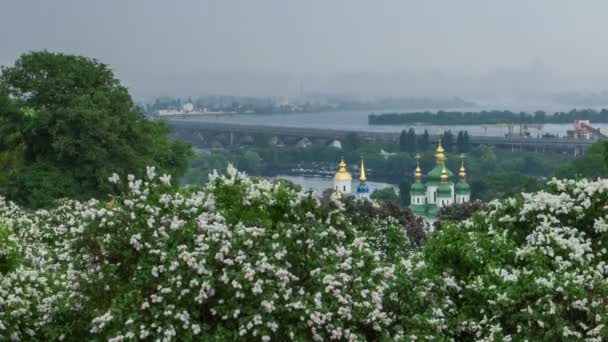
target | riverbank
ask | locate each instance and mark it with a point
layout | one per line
(488, 117)
(321, 183)
(358, 121)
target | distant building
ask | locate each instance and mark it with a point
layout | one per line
(439, 190)
(343, 180)
(362, 188)
(188, 108)
(581, 130)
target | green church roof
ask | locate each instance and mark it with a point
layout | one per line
(462, 187)
(444, 190)
(418, 188)
(435, 174)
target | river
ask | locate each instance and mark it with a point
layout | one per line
(357, 120)
(319, 184)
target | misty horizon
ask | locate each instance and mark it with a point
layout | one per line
(472, 49)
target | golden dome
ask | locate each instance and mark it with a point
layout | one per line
(439, 154)
(342, 174)
(444, 175)
(362, 177)
(462, 170)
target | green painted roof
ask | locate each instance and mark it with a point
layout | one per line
(418, 188)
(444, 190)
(462, 187)
(435, 174)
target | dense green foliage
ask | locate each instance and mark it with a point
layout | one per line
(366, 214)
(247, 259)
(458, 212)
(66, 123)
(592, 165)
(487, 117)
(411, 142)
(385, 195)
(490, 175)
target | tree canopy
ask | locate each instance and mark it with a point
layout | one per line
(487, 117)
(66, 123)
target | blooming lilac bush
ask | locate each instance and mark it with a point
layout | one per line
(249, 259)
(243, 259)
(533, 268)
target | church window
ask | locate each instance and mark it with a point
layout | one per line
(344, 187)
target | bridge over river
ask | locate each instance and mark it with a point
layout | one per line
(202, 133)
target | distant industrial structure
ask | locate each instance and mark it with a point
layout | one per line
(584, 130)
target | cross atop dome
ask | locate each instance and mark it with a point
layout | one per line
(462, 172)
(439, 153)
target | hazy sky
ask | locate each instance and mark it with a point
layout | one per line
(261, 46)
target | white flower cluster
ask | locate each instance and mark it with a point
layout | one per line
(249, 259)
(245, 253)
(541, 262)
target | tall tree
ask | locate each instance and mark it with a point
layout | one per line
(385, 195)
(448, 141)
(424, 141)
(466, 141)
(77, 124)
(411, 140)
(352, 141)
(606, 153)
(460, 142)
(403, 147)
(404, 193)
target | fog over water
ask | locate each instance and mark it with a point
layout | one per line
(500, 53)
